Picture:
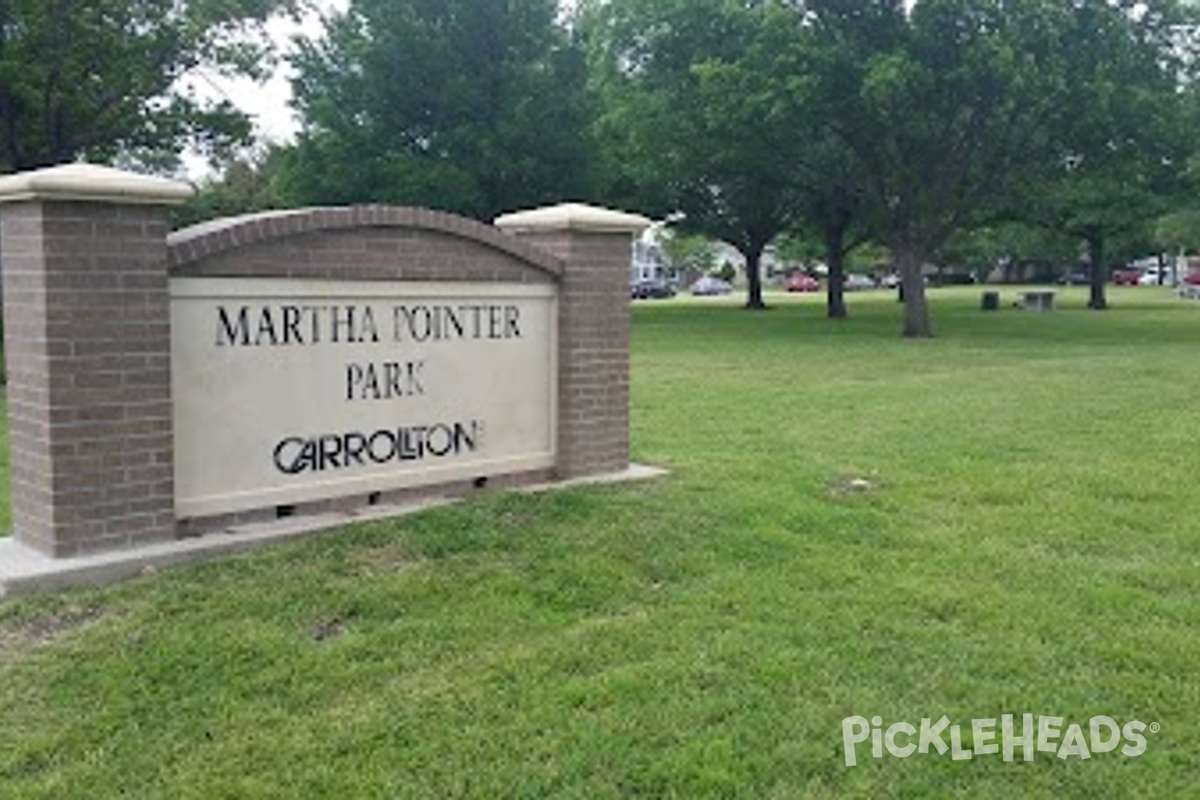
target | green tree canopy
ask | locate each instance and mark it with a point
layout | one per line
(248, 182)
(1178, 231)
(1018, 249)
(689, 251)
(945, 105)
(1125, 127)
(697, 109)
(472, 106)
(101, 79)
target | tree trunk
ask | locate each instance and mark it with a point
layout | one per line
(754, 292)
(1095, 246)
(916, 310)
(835, 261)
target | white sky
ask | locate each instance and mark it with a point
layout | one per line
(266, 103)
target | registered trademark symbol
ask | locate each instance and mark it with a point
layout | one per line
(1155, 727)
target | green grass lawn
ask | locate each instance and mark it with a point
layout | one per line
(1027, 541)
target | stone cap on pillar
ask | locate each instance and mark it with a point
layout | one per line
(92, 183)
(572, 217)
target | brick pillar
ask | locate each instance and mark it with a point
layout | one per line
(87, 345)
(593, 329)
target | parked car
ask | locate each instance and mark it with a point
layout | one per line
(856, 281)
(1126, 277)
(890, 281)
(708, 285)
(799, 282)
(1151, 277)
(1074, 279)
(651, 289)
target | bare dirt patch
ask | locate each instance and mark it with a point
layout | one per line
(21, 633)
(847, 485)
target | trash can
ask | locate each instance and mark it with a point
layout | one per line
(990, 301)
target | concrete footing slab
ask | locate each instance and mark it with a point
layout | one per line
(24, 570)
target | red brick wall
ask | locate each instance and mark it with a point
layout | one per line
(359, 243)
(87, 341)
(87, 348)
(593, 386)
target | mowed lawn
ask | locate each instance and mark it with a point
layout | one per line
(1002, 520)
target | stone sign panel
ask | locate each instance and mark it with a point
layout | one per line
(305, 363)
(289, 391)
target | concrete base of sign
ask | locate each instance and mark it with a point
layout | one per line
(24, 569)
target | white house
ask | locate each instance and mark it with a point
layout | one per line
(649, 261)
(769, 266)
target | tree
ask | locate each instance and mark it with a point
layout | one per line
(249, 182)
(471, 106)
(1020, 250)
(1172, 236)
(798, 247)
(101, 79)
(695, 103)
(1124, 131)
(831, 191)
(1178, 231)
(943, 105)
(689, 251)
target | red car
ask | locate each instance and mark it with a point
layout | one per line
(1126, 277)
(799, 282)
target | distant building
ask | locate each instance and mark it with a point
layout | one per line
(769, 266)
(649, 261)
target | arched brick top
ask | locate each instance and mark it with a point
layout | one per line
(220, 237)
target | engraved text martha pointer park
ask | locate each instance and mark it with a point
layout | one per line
(303, 324)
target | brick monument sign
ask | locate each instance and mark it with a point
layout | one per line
(292, 370)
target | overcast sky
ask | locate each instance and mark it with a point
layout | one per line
(269, 102)
(266, 103)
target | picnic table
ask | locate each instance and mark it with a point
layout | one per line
(1039, 300)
